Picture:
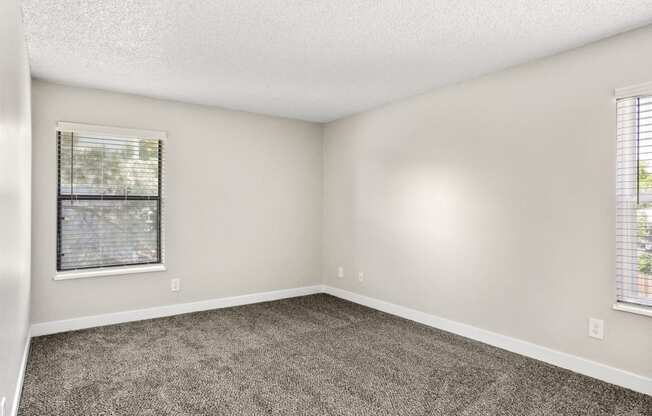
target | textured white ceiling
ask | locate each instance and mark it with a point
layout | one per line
(314, 60)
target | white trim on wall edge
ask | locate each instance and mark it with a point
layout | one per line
(109, 131)
(571, 362)
(108, 271)
(633, 90)
(53, 327)
(21, 378)
(639, 310)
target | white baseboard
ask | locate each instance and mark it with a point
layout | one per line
(21, 378)
(579, 365)
(571, 362)
(53, 327)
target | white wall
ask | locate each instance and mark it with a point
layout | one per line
(492, 202)
(15, 159)
(242, 208)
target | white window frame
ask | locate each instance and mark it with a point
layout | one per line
(633, 91)
(112, 132)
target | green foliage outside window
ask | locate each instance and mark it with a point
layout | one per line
(644, 231)
(644, 178)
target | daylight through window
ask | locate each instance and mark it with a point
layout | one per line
(109, 204)
(634, 201)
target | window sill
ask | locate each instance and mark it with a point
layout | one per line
(109, 271)
(637, 309)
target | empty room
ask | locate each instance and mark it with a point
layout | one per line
(326, 207)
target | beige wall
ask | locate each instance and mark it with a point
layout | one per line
(15, 145)
(242, 208)
(492, 202)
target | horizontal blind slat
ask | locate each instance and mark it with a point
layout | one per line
(109, 201)
(634, 201)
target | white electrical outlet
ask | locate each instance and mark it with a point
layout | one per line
(340, 272)
(175, 285)
(3, 403)
(361, 276)
(596, 328)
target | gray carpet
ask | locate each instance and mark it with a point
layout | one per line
(315, 355)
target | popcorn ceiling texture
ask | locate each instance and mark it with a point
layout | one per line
(314, 355)
(312, 60)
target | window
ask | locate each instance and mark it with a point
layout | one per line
(634, 200)
(109, 197)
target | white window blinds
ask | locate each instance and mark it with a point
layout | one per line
(634, 201)
(109, 197)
